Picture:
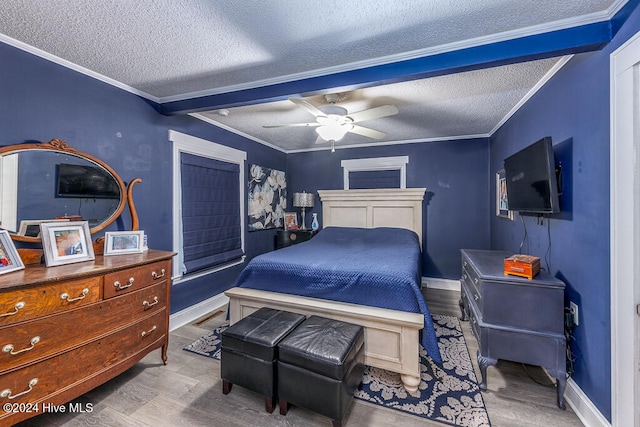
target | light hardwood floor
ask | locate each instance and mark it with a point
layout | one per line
(188, 392)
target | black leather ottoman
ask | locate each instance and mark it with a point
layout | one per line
(250, 349)
(320, 366)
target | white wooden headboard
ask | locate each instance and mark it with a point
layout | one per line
(381, 207)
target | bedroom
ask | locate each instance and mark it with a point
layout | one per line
(44, 100)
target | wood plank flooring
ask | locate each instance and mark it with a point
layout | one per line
(188, 392)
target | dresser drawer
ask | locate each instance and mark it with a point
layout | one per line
(473, 287)
(38, 338)
(471, 277)
(34, 383)
(129, 280)
(24, 304)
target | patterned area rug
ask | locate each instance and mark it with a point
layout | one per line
(448, 393)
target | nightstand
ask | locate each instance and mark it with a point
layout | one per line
(286, 238)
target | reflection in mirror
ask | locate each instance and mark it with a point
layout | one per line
(55, 182)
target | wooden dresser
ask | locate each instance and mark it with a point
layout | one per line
(65, 330)
(514, 318)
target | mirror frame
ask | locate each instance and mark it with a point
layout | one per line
(60, 146)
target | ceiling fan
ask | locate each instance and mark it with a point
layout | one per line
(333, 122)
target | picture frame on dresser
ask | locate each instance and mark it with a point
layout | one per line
(502, 200)
(31, 227)
(9, 258)
(66, 242)
(123, 242)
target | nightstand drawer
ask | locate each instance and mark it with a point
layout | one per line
(286, 238)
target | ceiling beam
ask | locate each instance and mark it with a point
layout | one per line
(567, 41)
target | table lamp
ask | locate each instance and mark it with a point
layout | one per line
(303, 200)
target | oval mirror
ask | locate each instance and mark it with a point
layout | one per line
(53, 182)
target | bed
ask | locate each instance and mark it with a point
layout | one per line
(352, 273)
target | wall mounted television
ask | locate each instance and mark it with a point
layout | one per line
(81, 181)
(532, 184)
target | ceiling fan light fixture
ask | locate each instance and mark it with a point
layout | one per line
(333, 131)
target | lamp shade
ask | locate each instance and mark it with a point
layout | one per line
(303, 200)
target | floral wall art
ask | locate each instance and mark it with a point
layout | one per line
(267, 198)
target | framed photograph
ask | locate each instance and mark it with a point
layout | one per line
(290, 221)
(9, 257)
(123, 242)
(31, 227)
(66, 242)
(502, 201)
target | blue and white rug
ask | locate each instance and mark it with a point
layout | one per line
(447, 393)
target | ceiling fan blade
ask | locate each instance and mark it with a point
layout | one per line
(308, 106)
(292, 125)
(373, 113)
(370, 133)
(319, 140)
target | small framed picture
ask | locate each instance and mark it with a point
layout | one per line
(66, 242)
(290, 221)
(123, 242)
(31, 227)
(9, 257)
(502, 201)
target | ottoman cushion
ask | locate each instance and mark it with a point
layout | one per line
(259, 333)
(325, 346)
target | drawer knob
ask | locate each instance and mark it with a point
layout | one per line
(145, 333)
(148, 304)
(475, 297)
(7, 393)
(119, 285)
(464, 276)
(475, 280)
(19, 306)
(65, 296)
(9, 347)
(156, 275)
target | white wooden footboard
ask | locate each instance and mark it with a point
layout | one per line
(391, 336)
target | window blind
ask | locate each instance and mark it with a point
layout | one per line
(365, 180)
(211, 229)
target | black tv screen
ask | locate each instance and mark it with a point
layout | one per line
(531, 179)
(82, 181)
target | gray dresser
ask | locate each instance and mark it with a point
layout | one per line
(514, 318)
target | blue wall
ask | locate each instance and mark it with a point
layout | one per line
(573, 108)
(41, 100)
(456, 205)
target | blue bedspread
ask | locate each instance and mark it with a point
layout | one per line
(376, 267)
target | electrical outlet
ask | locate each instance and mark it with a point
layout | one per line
(573, 308)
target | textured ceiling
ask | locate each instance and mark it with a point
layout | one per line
(176, 50)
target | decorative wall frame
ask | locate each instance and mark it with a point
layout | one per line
(9, 258)
(267, 198)
(502, 201)
(66, 242)
(123, 242)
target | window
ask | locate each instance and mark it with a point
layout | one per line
(376, 172)
(208, 232)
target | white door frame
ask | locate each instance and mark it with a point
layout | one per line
(625, 231)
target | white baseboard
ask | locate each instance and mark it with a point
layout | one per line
(446, 284)
(583, 407)
(196, 311)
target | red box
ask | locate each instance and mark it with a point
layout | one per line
(522, 265)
